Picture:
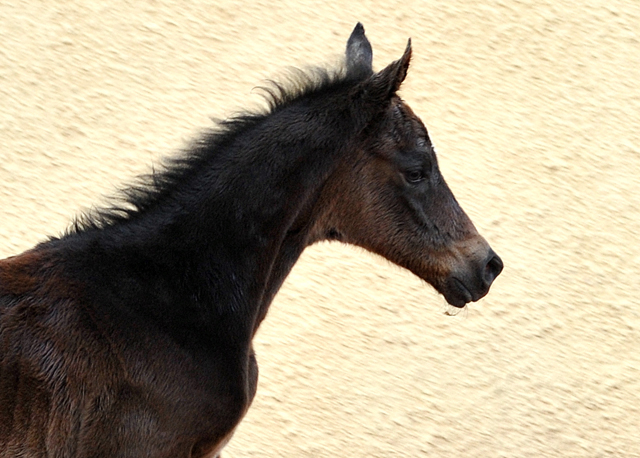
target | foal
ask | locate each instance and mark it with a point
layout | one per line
(130, 336)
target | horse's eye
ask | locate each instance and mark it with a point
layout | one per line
(414, 176)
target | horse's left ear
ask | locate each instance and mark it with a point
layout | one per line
(359, 53)
(384, 84)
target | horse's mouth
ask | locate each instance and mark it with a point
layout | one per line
(458, 294)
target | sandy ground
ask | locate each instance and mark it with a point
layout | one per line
(534, 108)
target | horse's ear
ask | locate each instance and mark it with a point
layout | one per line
(359, 53)
(384, 84)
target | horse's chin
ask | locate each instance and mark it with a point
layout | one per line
(452, 289)
(456, 293)
(456, 302)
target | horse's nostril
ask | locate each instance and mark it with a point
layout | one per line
(493, 268)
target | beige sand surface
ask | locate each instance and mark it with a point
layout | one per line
(535, 109)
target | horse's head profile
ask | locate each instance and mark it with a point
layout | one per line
(389, 196)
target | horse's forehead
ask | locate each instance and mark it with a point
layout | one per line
(407, 125)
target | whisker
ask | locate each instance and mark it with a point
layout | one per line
(450, 310)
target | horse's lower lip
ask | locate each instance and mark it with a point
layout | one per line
(461, 294)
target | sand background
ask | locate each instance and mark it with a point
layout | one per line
(535, 110)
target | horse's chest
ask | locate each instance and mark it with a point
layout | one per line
(108, 393)
(179, 399)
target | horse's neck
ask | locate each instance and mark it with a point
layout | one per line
(225, 252)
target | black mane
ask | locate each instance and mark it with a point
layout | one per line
(149, 189)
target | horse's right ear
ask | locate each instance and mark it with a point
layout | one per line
(384, 84)
(359, 53)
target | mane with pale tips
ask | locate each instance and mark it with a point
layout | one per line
(149, 189)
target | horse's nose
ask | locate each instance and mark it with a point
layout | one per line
(492, 268)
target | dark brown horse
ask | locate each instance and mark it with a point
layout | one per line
(130, 336)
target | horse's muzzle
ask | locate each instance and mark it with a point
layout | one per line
(470, 285)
